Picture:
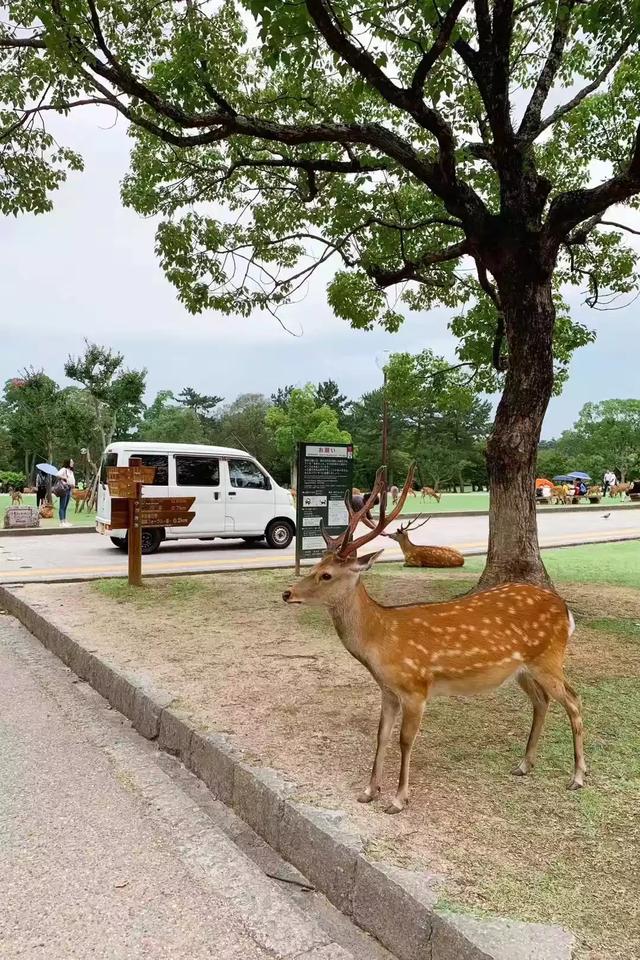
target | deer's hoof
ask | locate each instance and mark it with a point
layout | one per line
(576, 782)
(368, 795)
(396, 806)
(522, 769)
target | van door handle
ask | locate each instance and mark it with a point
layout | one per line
(232, 493)
(216, 495)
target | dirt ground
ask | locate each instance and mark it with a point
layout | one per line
(279, 681)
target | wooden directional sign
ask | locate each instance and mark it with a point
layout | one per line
(131, 512)
(133, 474)
(166, 511)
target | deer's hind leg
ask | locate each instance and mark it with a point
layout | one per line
(556, 687)
(540, 703)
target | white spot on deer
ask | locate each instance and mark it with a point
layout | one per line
(517, 656)
(511, 610)
(530, 601)
(409, 662)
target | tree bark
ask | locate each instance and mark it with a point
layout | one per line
(529, 316)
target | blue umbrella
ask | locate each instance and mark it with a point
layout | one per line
(568, 477)
(48, 468)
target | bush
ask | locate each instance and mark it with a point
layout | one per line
(12, 480)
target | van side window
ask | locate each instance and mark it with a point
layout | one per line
(197, 472)
(111, 460)
(160, 462)
(248, 475)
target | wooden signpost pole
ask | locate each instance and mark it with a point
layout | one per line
(135, 532)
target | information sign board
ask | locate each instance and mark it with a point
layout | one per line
(325, 474)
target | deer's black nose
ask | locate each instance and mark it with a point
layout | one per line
(286, 595)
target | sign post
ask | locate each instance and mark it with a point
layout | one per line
(325, 473)
(131, 511)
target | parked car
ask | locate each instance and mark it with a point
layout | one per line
(234, 495)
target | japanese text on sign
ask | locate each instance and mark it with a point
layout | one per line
(325, 473)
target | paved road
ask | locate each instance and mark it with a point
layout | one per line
(112, 851)
(87, 556)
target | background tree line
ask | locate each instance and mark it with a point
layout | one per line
(436, 415)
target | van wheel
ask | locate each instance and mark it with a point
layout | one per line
(151, 540)
(120, 543)
(253, 539)
(279, 534)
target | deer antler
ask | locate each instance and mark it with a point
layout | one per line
(344, 546)
(414, 525)
(335, 544)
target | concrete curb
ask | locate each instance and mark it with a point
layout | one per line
(397, 906)
(45, 531)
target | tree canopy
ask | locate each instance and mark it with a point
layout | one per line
(432, 123)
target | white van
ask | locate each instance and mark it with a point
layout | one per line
(235, 496)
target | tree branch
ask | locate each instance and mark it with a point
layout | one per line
(569, 209)
(340, 42)
(410, 270)
(437, 47)
(531, 118)
(620, 226)
(565, 108)
(33, 43)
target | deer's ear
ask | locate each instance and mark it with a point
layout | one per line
(360, 564)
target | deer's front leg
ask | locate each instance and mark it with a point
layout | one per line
(412, 710)
(388, 713)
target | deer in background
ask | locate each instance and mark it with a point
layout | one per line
(430, 492)
(16, 497)
(619, 489)
(419, 555)
(461, 647)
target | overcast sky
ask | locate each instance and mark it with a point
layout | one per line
(88, 269)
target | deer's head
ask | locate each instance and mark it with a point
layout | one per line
(330, 581)
(401, 535)
(336, 575)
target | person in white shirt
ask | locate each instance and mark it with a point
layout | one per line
(609, 480)
(69, 478)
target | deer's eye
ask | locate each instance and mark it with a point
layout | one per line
(325, 576)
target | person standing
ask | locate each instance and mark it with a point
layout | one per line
(41, 490)
(68, 478)
(609, 480)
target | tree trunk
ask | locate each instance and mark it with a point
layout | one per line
(513, 553)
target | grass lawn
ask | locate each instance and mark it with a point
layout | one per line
(617, 564)
(29, 500)
(280, 684)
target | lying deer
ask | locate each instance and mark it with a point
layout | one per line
(416, 555)
(469, 645)
(430, 492)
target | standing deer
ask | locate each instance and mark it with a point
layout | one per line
(416, 555)
(619, 489)
(16, 497)
(430, 492)
(469, 645)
